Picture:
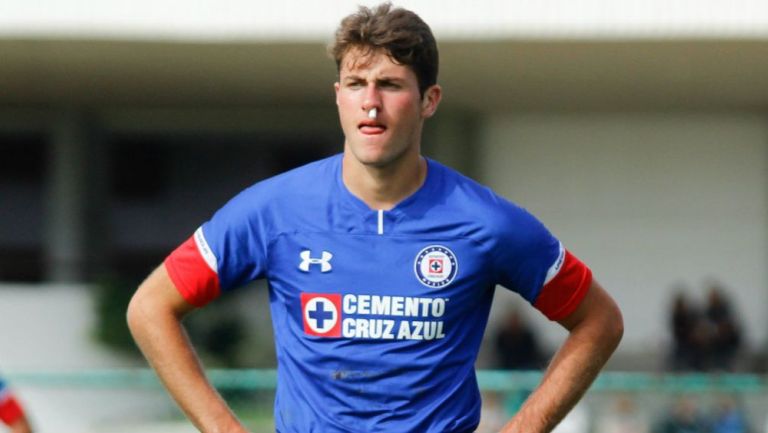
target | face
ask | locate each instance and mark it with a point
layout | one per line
(375, 81)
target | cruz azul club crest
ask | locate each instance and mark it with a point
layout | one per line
(436, 266)
(321, 314)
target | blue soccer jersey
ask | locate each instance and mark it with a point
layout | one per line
(377, 315)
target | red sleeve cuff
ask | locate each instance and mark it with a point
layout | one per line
(10, 411)
(562, 295)
(197, 283)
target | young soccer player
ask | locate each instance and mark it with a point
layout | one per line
(381, 267)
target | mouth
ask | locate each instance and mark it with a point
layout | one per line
(371, 127)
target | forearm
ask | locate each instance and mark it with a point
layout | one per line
(160, 336)
(586, 350)
(566, 380)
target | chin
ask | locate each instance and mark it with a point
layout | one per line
(380, 161)
(377, 155)
(383, 160)
(374, 159)
(368, 154)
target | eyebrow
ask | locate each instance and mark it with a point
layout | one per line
(390, 79)
(384, 79)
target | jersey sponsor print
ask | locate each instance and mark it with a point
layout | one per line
(379, 317)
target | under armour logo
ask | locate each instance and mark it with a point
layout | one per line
(307, 260)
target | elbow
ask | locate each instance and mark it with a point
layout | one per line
(154, 304)
(615, 326)
(618, 332)
(138, 312)
(132, 314)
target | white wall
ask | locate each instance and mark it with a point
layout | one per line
(49, 328)
(647, 200)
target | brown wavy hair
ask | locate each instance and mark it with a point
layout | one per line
(402, 34)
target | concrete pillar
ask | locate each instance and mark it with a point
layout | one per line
(65, 232)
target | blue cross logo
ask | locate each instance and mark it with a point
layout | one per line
(435, 266)
(320, 315)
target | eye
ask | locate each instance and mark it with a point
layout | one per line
(389, 85)
(356, 84)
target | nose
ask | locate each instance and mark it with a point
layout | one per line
(372, 98)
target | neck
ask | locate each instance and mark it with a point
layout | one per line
(385, 186)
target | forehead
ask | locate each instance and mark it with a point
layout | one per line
(361, 61)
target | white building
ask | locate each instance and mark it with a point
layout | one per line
(637, 131)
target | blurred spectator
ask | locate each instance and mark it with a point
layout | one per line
(704, 340)
(623, 418)
(517, 347)
(683, 418)
(725, 335)
(729, 417)
(688, 334)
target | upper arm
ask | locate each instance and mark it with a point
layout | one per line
(597, 307)
(158, 293)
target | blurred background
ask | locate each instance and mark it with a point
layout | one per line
(636, 131)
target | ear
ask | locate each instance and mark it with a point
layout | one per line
(431, 100)
(336, 87)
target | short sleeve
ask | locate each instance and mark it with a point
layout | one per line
(226, 252)
(532, 262)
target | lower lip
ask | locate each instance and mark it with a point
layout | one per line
(367, 130)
